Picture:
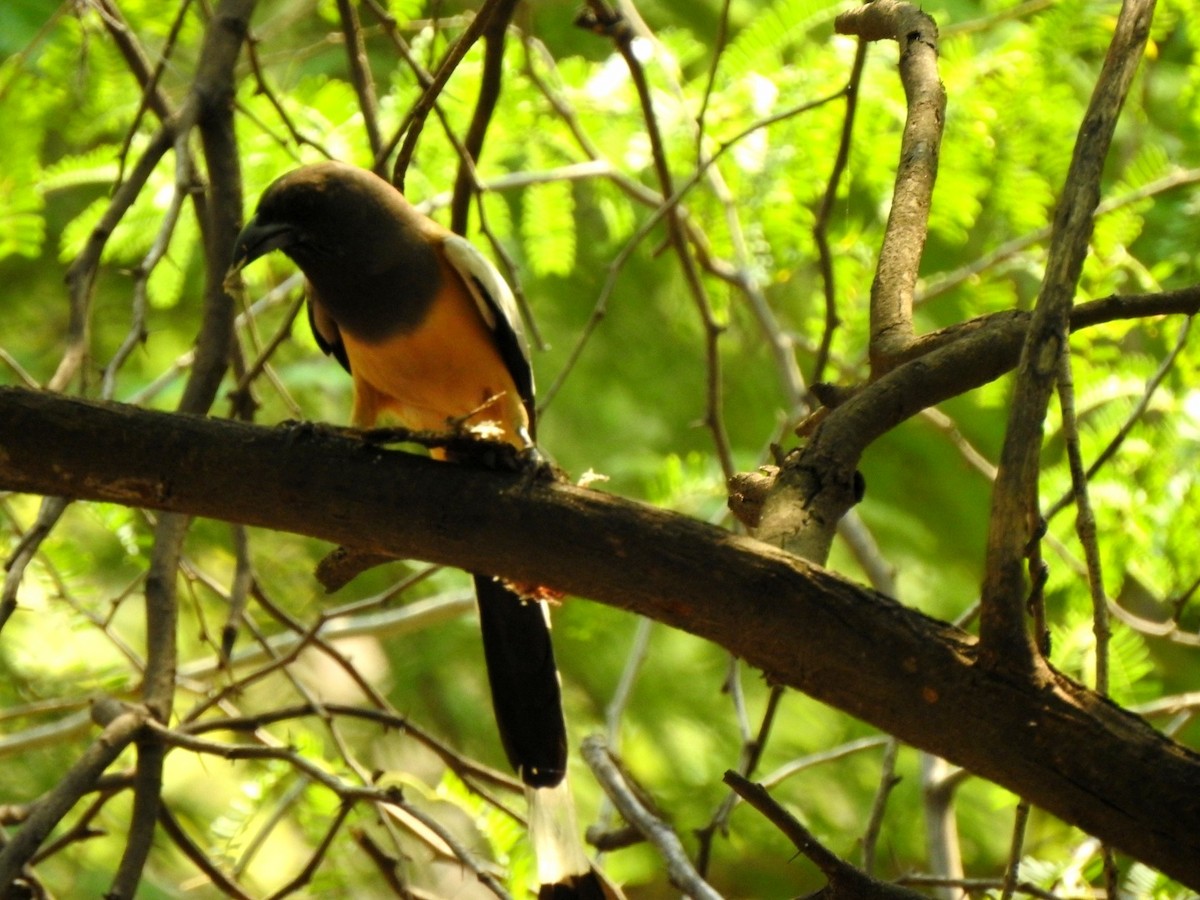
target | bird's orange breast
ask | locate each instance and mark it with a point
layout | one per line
(444, 371)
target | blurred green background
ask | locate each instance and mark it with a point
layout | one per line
(626, 399)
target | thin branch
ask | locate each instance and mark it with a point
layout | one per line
(752, 750)
(345, 791)
(1135, 416)
(720, 41)
(1004, 638)
(239, 592)
(888, 779)
(121, 728)
(601, 835)
(1012, 872)
(50, 510)
(282, 807)
(466, 769)
(623, 692)
(938, 783)
(787, 770)
(184, 182)
(360, 74)
(614, 781)
(198, 857)
(485, 105)
(908, 220)
(81, 274)
(259, 365)
(602, 19)
(389, 867)
(1085, 522)
(305, 875)
(820, 228)
(413, 124)
(136, 60)
(943, 283)
(107, 787)
(739, 277)
(845, 882)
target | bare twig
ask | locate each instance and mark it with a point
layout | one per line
(239, 592)
(1012, 873)
(845, 881)
(943, 283)
(1134, 417)
(623, 692)
(753, 746)
(602, 19)
(136, 59)
(81, 274)
(305, 875)
(239, 395)
(263, 87)
(198, 857)
(49, 512)
(411, 128)
(820, 228)
(1085, 522)
(360, 74)
(121, 728)
(345, 791)
(787, 770)
(1004, 638)
(659, 833)
(888, 779)
(468, 770)
(720, 40)
(485, 105)
(184, 182)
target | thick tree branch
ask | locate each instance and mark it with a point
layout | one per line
(1055, 743)
(813, 490)
(937, 366)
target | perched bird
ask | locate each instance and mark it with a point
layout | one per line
(431, 335)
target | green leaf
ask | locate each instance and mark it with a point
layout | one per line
(548, 228)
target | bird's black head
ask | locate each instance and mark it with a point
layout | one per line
(361, 245)
(329, 214)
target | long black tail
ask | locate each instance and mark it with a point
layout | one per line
(527, 700)
(526, 695)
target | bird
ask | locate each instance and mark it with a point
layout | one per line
(431, 336)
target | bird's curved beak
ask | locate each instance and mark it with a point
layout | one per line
(258, 239)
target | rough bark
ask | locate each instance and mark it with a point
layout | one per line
(1048, 739)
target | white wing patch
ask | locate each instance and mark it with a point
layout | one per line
(487, 286)
(496, 304)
